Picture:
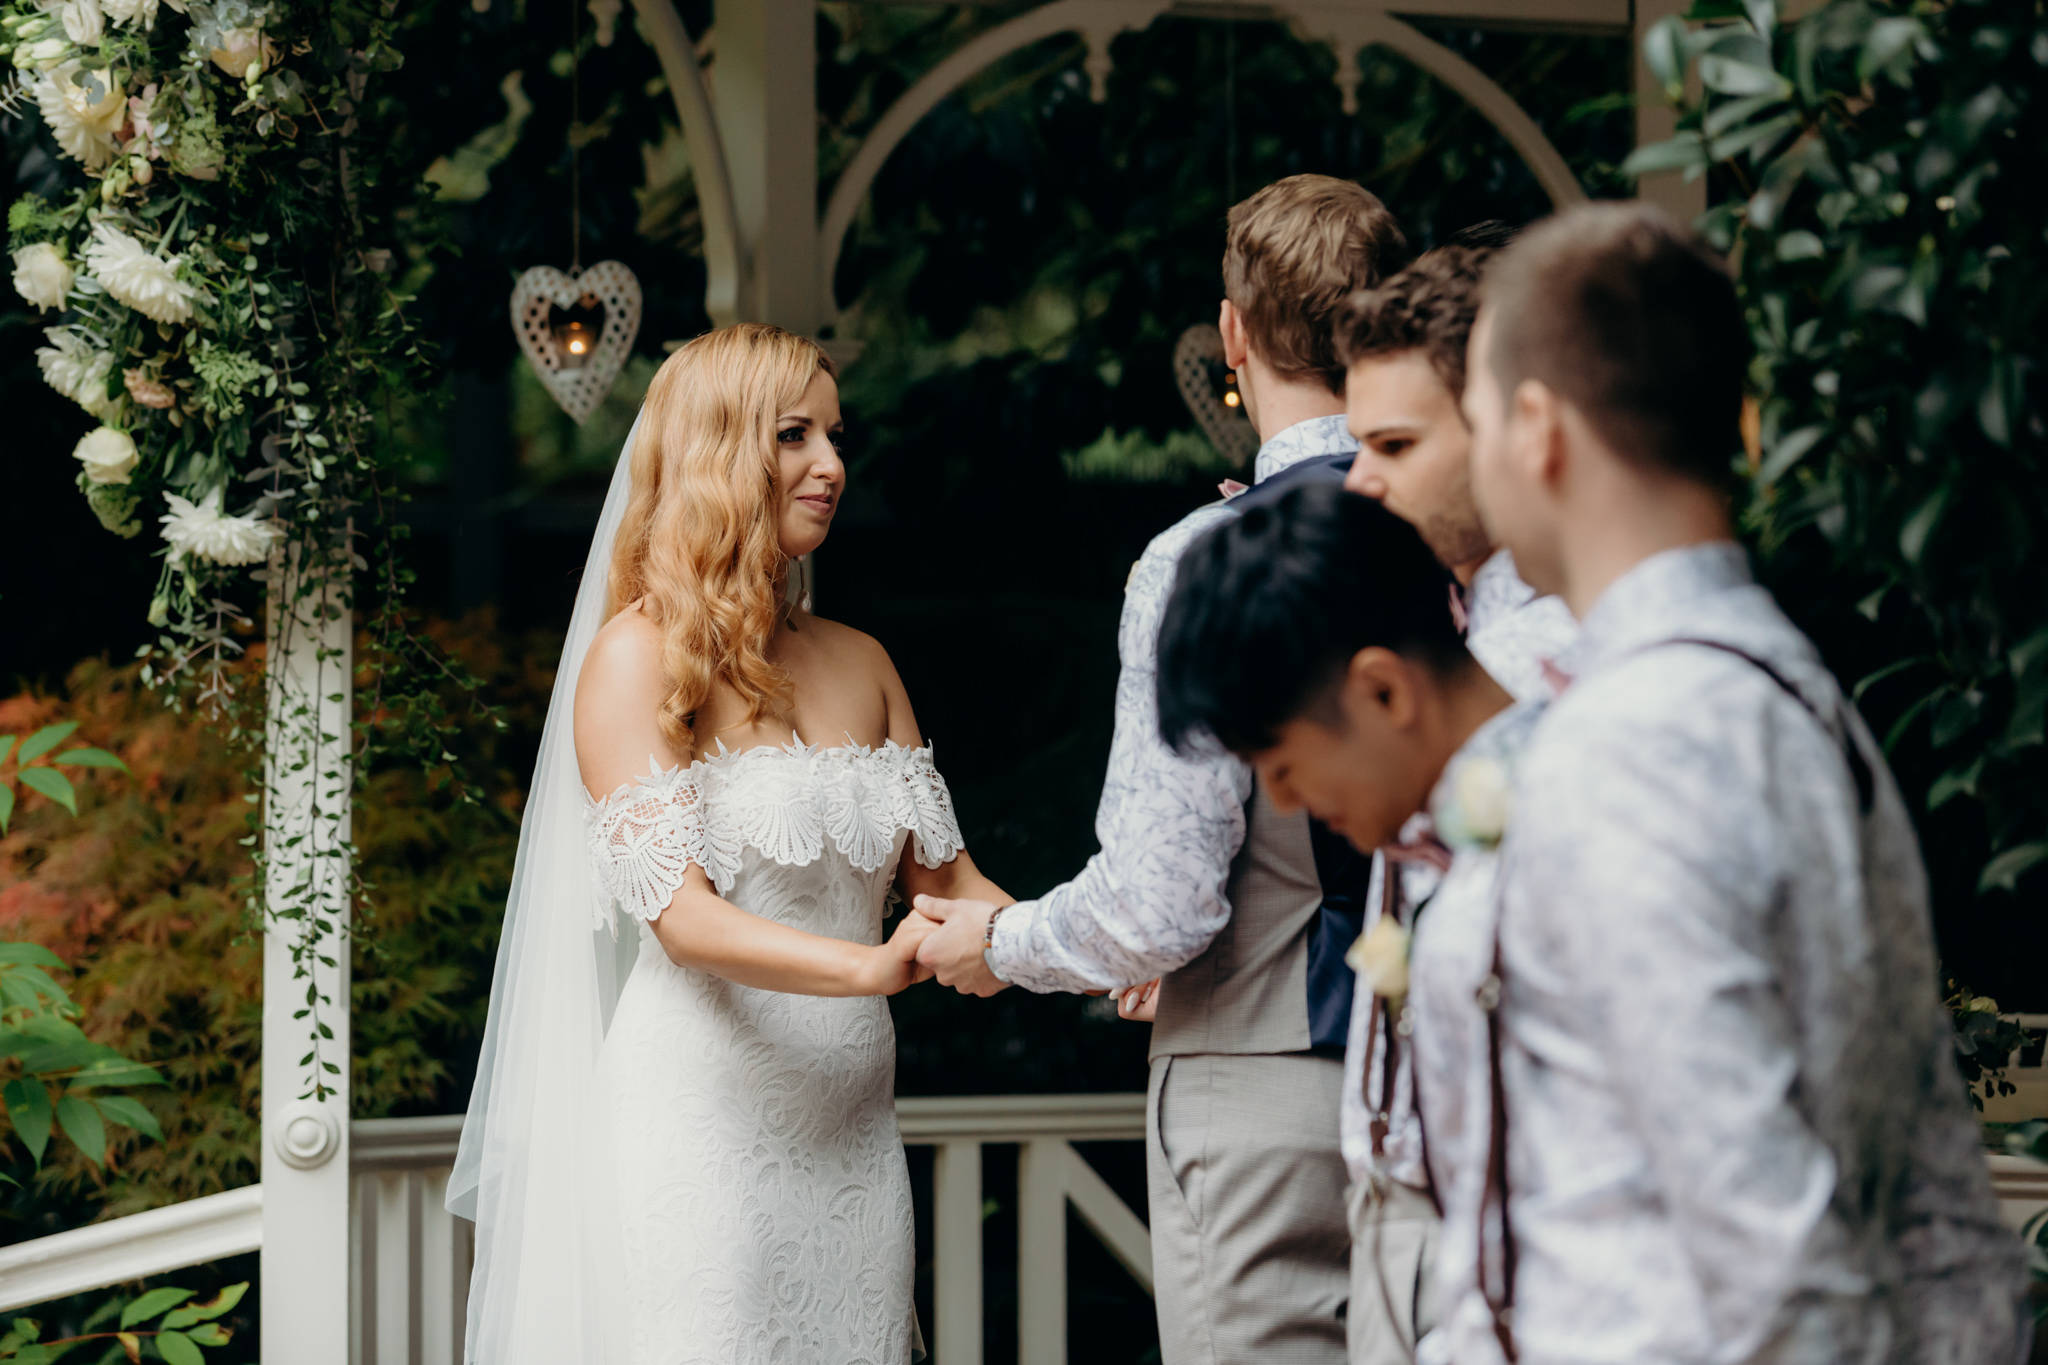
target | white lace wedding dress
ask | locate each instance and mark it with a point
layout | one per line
(765, 1205)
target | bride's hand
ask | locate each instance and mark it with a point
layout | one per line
(892, 967)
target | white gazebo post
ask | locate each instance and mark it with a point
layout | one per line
(304, 1270)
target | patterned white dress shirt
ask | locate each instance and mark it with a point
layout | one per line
(1514, 634)
(1735, 1128)
(1153, 898)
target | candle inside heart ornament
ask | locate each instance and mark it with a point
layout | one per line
(556, 316)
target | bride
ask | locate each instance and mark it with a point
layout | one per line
(682, 1145)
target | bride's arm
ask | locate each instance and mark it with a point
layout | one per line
(618, 697)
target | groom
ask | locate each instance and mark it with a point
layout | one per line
(1202, 881)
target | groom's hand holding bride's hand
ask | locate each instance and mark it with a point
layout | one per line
(893, 966)
(953, 950)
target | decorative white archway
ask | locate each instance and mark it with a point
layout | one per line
(755, 158)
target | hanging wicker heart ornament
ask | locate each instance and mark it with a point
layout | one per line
(541, 290)
(1195, 355)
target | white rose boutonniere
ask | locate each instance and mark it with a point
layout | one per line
(1380, 957)
(107, 455)
(42, 275)
(1475, 815)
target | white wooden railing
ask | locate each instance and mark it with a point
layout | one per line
(409, 1258)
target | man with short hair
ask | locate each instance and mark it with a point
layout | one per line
(1202, 881)
(1403, 344)
(1728, 1119)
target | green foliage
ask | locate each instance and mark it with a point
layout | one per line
(1986, 1042)
(1886, 231)
(1134, 457)
(142, 892)
(31, 771)
(184, 1325)
(237, 213)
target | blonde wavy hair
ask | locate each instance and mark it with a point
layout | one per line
(700, 548)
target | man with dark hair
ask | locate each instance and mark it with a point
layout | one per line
(1727, 1121)
(1403, 344)
(1204, 883)
(1311, 639)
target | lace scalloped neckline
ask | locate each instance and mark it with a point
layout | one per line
(723, 757)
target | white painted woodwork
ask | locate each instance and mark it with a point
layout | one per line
(122, 1249)
(723, 258)
(766, 95)
(305, 1159)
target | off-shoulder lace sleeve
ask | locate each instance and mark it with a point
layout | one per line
(644, 838)
(934, 828)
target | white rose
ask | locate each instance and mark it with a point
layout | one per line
(1380, 957)
(131, 11)
(244, 52)
(82, 21)
(107, 455)
(1483, 794)
(42, 275)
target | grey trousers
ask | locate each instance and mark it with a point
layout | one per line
(1393, 1249)
(1250, 1247)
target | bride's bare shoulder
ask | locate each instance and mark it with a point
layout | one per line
(622, 671)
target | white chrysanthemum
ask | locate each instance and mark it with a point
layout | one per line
(82, 20)
(107, 455)
(42, 275)
(203, 530)
(75, 368)
(84, 126)
(128, 271)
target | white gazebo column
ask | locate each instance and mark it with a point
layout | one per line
(1656, 120)
(305, 1264)
(767, 101)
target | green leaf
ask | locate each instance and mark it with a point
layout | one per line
(81, 1123)
(1787, 451)
(36, 955)
(28, 1109)
(214, 1307)
(130, 1112)
(151, 1304)
(1800, 246)
(89, 758)
(115, 1070)
(1732, 113)
(1730, 76)
(2004, 872)
(1920, 526)
(1664, 54)
(209, 1333)
(6, 806)
(1682, 153)
(52, 784)
(177, 1349)
(1888, 41)
(1955, 782)
(45, 739)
